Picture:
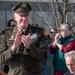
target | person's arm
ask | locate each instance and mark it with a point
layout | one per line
(8, 47)
(70, 46)
(5, 52)
(52, 48)
(59, 45)
(39, 52)
(53, 45)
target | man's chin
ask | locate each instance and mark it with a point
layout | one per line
(72, 72)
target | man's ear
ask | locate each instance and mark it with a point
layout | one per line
(14, 17)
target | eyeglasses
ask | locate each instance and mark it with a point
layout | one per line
(64, 30)
(52, 32)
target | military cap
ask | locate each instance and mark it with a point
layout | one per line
(22, 7)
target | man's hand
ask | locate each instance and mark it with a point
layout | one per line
(17, 41)
(57, 36)
(26, 40)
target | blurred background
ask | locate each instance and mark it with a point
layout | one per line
(44, 12)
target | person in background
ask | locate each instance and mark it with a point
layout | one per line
(58, 48)
(70, 62)
(52, 33)
(24, 46)
(34, 24)
(11, 23)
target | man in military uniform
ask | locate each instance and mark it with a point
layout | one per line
(24, 46)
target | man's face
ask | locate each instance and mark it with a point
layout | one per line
(65, 31)
(22, 20)
(70, 63)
